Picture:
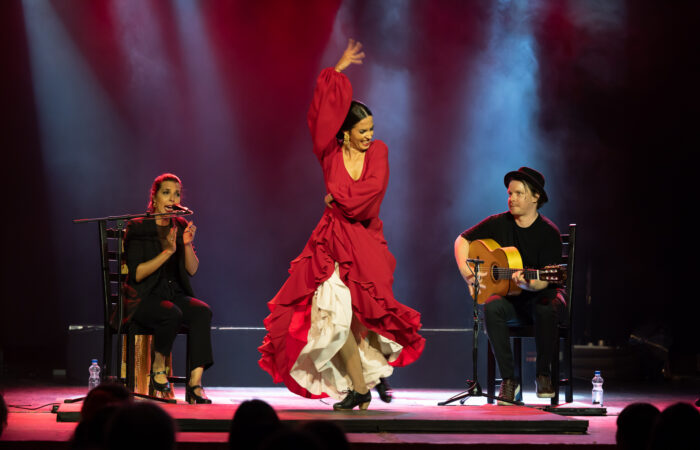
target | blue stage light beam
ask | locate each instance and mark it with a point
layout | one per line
(81, 139)
(502, 131)
(81, 135)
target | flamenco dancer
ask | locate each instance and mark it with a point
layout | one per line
(335, 328)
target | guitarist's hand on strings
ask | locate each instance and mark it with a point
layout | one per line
(519, 279)
(528, 285)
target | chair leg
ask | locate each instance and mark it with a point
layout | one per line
(130, 362)
(490, 374)
(518, 364)
(188, 368)
(569, 396)
(107, 353)
(556, 375)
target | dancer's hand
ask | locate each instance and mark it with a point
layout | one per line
(351, 55)
(328, 199)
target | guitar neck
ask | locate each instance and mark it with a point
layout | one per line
(529, 274)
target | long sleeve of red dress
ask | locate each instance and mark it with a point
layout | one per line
(330, 105)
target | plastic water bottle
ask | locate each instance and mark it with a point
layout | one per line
(94, 380)
(597, 392)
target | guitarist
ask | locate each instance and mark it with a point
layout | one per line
(539, 243)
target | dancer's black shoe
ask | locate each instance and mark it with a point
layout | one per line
(384, 390)
(353, 399)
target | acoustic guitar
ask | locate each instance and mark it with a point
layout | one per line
(500, 263)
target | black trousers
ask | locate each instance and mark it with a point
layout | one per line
(543, 310)
(166, 311)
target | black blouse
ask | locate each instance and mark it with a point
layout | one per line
(142, 243)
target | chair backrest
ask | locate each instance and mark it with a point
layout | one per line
(113, 268)
(113, 273)
(569, 258)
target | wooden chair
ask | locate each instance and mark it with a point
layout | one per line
(114, 272)
(563, 331)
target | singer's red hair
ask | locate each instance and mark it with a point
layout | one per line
(156, 185)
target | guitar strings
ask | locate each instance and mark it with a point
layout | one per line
(528, 273)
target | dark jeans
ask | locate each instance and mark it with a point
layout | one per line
(165, 316)
(542, 309)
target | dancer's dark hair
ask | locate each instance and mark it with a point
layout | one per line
(357, 112)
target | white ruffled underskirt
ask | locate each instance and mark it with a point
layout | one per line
(319, 368)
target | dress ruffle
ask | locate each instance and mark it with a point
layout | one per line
(318, 369)
(365, 268)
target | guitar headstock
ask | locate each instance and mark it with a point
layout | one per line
(553, 274)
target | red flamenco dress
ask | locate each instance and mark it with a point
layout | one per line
(342, 280)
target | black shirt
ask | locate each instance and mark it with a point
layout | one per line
(142, 243)
(539, 244)
(170, 268)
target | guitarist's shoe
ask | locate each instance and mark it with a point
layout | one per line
(544, 386)
(508, 392)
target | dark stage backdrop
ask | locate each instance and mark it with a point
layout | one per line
(99, 97)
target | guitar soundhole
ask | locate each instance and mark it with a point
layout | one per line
(494, 273)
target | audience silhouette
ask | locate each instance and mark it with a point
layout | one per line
(256, 426)
(634, 425)
(111, 420)
(141, 425)
(676, 428)
(328, 433)
(3, 414)
(253, 421)
(291, 439)
(99, 406)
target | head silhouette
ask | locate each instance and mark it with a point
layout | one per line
(142, 425)
(253, 422)
(634, 425)
(676, 428)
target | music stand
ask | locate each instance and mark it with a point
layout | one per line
(120, 224)
(473, 386)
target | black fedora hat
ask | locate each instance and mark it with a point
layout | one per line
(533, 177)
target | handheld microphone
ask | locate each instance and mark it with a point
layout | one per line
(178, 207)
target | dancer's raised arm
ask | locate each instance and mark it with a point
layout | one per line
(331, 101)
(351, 55)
